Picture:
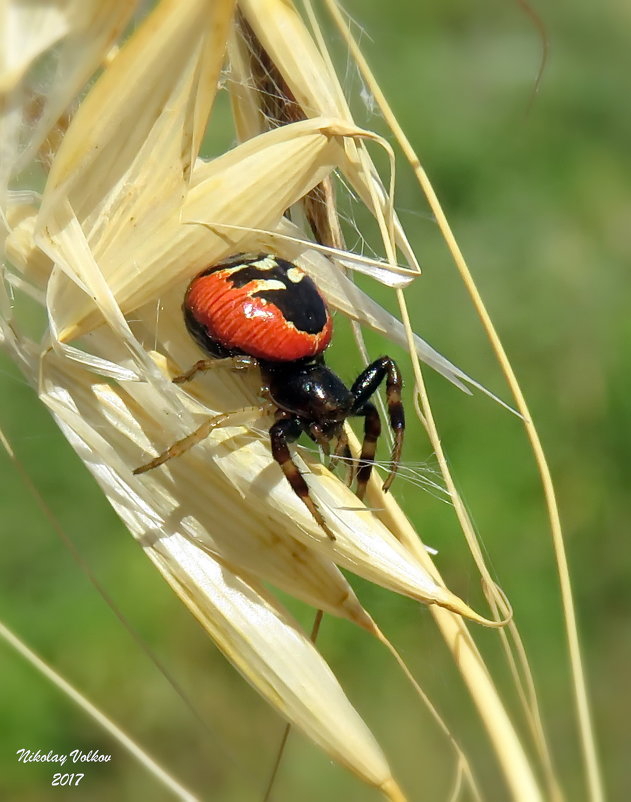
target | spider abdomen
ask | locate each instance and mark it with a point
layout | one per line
(260, 305)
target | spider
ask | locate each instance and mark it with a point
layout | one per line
(261, 310)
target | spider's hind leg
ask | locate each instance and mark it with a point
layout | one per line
(236, 418)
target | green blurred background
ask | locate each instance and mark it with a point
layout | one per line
(538, 196)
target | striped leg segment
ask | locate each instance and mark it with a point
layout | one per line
(284, 431)
(363, 387)
(372, 430)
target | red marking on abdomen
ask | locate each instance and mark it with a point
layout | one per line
(237, 320)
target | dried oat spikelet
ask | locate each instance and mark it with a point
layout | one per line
(126, 216)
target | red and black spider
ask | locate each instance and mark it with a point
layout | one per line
(260, 310)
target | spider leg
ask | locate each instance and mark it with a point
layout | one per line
(285, 430)
(178, 448)
(202, 365)
(372, 430)
(363, 387)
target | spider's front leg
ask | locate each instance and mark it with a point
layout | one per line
(287, 429)
(364, 386)
(372, 430)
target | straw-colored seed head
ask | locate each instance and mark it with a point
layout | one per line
(127, 215)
